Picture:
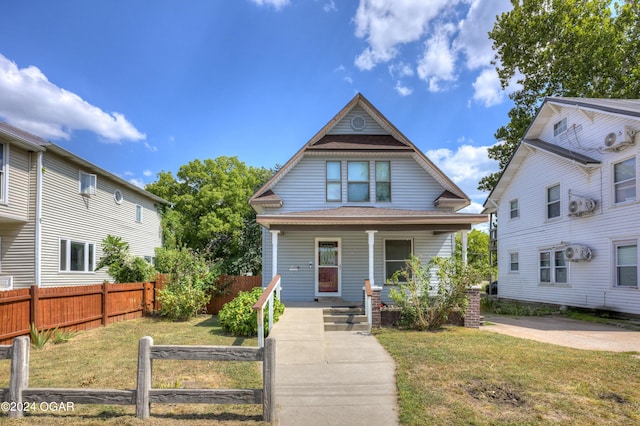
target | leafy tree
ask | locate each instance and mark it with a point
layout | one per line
(477, 250)
(579, 48)
(121, 265)
(210, 212)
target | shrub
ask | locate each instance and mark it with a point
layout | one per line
(122, 266)
(39, 338)
(190, 283)
(425, 304)
(238, 317)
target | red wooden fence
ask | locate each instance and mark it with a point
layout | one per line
(91, 306)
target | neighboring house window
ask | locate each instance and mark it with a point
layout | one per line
(626, 253)
(514, 209)
(334, 181)
(3, 173)
(150, 259)
(514, 262)
(560, 127)
(87, 183)
(396, 254)
(358, 180)
(553, 202)
(553, 266)
(76, 256)
(138, 213)
(383, 181)
(624, 180)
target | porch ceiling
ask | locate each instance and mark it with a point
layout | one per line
(363, 218)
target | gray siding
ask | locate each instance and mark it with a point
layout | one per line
(297, 249)
(344, 126)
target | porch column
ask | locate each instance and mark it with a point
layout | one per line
(371, 243)
(274, 253)
(464, 241)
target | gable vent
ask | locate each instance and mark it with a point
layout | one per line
(358, 122)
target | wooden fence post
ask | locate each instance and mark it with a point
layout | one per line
(105, 314)
(269, 379)
(34, 307)
(144, 378)
(19, 374)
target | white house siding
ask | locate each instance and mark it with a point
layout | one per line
(297, 248)
(17, 248)
(590, 284)
(304, 187)
(67, 214)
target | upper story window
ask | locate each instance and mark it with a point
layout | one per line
(626, 258)
(3, 173)
(87, 183)
(138, 213)
(334, 181)
(553, 266)
(560, 127)
(624, 180)
(383, 181)
(358, 180)
(514, 262)
(514, 210)
(76, 256)
(553, 202)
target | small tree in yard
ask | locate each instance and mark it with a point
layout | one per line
(426, 303)
(191, 282)
(121, 265)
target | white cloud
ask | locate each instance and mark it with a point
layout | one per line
(137, 182)
(468, 163)
(487, 88)
(31, 102)
(400, 69)
(147, 173)
(330, 6)
(437, 63)
(403, 90)
(277, 4)
(150, 148)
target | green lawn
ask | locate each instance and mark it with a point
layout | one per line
(466, 376)
(107, 357)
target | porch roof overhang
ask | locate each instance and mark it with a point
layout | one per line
(371, 218)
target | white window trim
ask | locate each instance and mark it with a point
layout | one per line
(368, 182)
(139, 209)
(4, 179)
(375, 173)
(91, 189)
(547, 203)
(614, 279)
(327, 181)
(514, 271)
(562, 125)
(552, 268)
(517, 216)
(87, 258)
(615, 203)
(384, 253)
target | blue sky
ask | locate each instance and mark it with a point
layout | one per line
(138, 87)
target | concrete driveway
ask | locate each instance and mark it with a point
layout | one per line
(566, 332)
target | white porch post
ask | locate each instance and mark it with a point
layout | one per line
(464, 241)
(371, 269)
(274, 253)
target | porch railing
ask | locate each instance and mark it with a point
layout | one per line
(368, 298)
(272, 291)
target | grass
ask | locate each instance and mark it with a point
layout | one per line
(107, 358)
(465, 376)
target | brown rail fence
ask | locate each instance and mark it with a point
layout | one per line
(91, 306)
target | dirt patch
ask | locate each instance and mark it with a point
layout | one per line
(494, 393)
(610, 396)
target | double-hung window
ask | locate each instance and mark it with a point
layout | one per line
(626, 258)
(514, 262)
(87, 183)
(358, 180)
(552, 267)
(553, 202)
(383, 181)
(396, 254)
(3, 173)
(334, 180)
(138, 213)
(514, 209)
(560, 127)
(76, 256)
(624, 180)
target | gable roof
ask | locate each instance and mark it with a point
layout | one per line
(395, 141)
(32, 142)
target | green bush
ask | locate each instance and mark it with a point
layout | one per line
(238, 317)
(182, 300)
(121, 265)
(426, 305)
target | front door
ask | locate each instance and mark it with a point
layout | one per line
(328, 268)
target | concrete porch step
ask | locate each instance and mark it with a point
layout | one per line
(346, 327)
(345, 318)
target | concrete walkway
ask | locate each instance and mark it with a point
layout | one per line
(330, 378)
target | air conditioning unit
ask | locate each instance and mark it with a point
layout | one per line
(619, 139)
(581, 205)
(6, 282)
(577, 252)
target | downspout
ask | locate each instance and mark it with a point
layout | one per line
(38, 239)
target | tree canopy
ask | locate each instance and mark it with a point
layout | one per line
(210, 212)
(578, 48)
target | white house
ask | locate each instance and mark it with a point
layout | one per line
(567, 207)
(55, 210)
(353, 204)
